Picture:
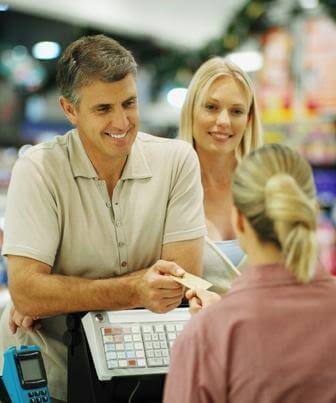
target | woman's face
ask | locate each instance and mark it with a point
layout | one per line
(220, 121)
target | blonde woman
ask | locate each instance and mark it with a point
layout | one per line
(272, 337)
(220, 118)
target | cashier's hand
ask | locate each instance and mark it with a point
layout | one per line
(16, 320)
(159, 292)
(199, 299)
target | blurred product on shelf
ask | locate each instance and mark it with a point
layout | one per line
(325, 180)
(319, 144)
(318, 62)
(315, 138)
(275, 87)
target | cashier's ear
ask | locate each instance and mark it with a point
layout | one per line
(239, 225)
(69, 109)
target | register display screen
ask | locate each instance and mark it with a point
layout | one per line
(31, 370)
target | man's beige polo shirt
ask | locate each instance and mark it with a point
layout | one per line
(60, 213)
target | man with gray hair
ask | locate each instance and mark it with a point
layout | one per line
(98, 217)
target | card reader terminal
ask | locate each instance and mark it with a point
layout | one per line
(24, 375)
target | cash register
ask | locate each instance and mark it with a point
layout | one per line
(113, 354)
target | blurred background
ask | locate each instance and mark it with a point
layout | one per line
(287, 46)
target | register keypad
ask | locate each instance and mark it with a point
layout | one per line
(137, 346)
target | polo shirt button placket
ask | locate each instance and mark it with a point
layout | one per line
(118, 224)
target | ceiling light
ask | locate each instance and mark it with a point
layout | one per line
(46, 50)
(247, 61)
(309, 3)
(176, 97)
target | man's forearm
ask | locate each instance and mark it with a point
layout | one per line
(74, 294)
(36, 292)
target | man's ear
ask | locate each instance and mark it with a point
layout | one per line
(69, 110)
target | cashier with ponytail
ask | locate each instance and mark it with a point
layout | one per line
(272, 337)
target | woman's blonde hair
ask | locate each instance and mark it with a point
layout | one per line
(273, 188)
(200, 84)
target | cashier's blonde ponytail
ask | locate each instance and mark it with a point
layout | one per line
(274, 189)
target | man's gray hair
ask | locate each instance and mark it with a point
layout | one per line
(92, 58)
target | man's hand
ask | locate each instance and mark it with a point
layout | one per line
(199, 299)
(159, 292)
(17, 320)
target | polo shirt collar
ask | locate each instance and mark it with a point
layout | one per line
(79, 160)
(136, 167)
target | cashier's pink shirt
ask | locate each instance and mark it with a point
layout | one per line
(269, 340)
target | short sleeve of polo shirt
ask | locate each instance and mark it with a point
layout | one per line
(185, 215)
(31, 223)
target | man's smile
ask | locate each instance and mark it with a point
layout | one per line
(117, 135)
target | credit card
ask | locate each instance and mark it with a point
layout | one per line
(192, 281)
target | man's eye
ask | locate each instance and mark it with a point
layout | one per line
(103, 109)
(130, 103)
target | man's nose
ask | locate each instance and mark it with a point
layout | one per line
(223, 119)
(120, 120)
